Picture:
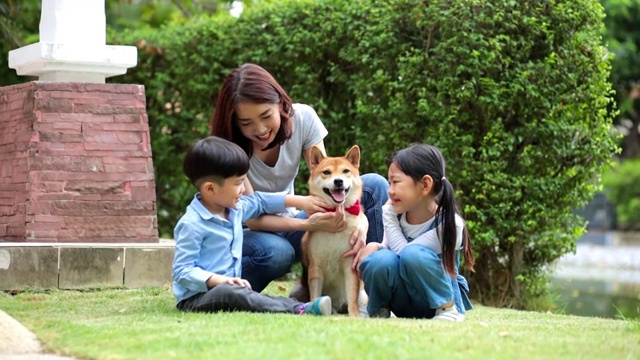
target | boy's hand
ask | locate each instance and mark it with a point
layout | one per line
(220, 279)
(314, 204)
(237, 281)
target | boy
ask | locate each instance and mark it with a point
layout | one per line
(208, 256)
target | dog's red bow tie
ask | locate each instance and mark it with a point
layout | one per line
(353, 209)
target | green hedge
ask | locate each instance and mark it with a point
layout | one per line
(622, 186)
(515, 93)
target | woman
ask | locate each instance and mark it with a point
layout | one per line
(255, 112)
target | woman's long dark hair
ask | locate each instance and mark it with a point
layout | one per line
(252, 84)
(417, 161)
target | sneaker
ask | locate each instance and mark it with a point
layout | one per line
(321, 307)
(363, 301)
(449, 314)
(383, 313)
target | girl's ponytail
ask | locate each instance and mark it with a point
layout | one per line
(446, 212)
(447, 209)
(469, 261)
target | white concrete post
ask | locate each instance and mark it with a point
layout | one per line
(72, 45)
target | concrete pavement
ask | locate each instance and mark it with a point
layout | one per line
(18, 343)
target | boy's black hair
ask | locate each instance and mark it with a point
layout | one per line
(214, 159)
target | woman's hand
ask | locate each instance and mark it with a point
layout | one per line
(368, 250)
(358, 240)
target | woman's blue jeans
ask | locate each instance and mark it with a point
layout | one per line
(269, 256)
(412, 284)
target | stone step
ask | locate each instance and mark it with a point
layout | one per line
(85, 265)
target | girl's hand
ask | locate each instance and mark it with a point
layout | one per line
(358, 240)
(326, 221)
(368, 250)
(314, 204)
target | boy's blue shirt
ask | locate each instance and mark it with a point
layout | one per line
(208, 244)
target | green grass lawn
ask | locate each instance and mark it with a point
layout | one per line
(144, 324)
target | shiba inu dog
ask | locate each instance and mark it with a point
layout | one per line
(325, 271)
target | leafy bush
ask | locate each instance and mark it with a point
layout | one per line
(623, 39)
(515, 93)
(622, 186)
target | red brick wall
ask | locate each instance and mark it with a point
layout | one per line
(75, 164)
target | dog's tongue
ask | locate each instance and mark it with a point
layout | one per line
(338, 195)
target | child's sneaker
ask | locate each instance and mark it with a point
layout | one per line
(321, 306)
(450, 314)
(363, 301)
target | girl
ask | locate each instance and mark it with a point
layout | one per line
(255, 112)
(414, 272)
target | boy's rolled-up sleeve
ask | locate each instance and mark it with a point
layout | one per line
(260, 203)
(187, 252)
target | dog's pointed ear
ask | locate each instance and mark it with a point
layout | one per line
(353, 155)
(316, 156)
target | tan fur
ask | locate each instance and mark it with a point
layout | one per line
(326, 271)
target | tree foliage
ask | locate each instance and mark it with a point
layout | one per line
(20, 20)
(515, 93)
(622, 186)
(623, 39)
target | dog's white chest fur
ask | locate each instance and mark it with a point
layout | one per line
(337, 181)
(326, 250)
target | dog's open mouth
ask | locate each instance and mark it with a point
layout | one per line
(338, 195)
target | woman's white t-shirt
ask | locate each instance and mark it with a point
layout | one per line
(306, 130)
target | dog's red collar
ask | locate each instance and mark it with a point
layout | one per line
(353, 209)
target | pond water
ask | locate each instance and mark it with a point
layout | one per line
(601, 298)
(600, 279)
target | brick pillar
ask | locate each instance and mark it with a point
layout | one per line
(75, 164)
